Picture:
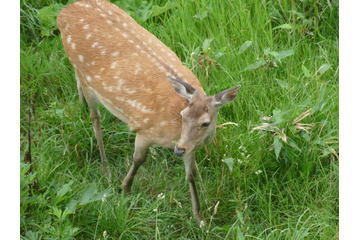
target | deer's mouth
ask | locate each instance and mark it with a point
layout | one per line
(179, 151)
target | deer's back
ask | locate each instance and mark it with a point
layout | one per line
(125, 67)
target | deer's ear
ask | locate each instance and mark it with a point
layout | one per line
(226, 96)
(182, 88)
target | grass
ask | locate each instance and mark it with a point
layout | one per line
(271, 177)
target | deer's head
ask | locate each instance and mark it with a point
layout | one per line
(200, 116)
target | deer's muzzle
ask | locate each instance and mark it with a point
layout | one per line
(179, 151)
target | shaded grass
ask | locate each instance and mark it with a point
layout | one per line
(284, 200)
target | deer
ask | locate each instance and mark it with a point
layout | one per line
(119, 64)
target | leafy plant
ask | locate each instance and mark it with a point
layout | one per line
(271, 57)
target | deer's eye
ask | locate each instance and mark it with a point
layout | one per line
(205, 124)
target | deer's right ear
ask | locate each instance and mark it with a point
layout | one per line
(182, 88)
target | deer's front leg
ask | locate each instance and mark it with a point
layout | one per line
(190, 167)
(139, 157)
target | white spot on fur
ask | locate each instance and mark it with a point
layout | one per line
(97, 76)
(130, 91)
(94, 44)
(113, 65)
(88, 36)
(73, 45)
(163, 123)
(124, 35)
(86, 26)
(79, 4)
(146, 120)
(138, 69)
(114, 54)
(109, 22)
(135, 54)
(69, 39)
(67, 26)
(88, 78)
(121, 99)
(81, 58)
(125, 24)
(103, 52)
(102, 69)
(131, 41)
(110, 88)
(93, 63)
(110, 12)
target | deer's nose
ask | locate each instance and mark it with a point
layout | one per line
(179, 151)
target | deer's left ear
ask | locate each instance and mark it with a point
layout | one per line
(182, 88)
(226, 96)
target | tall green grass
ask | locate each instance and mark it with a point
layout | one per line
(271, 176)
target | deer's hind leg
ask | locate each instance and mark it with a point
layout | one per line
(81, 96)
(93, 103)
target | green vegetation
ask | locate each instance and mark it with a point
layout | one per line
(274, 175)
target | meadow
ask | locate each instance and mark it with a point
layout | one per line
(272, 171)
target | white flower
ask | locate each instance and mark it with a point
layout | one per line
(104, 234)
(258, 172)
(103, 198)
(155, 210)
(161, 196)
(178, 203)
(202, 224)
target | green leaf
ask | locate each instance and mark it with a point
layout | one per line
(277, 146)
(245, 46)
(202, 14)
(100, 195)
(56, 212)
(206, 44)
(219, 55)
(239, 235)
(286, 53)
(323, 68)
(64, 189)
(276, 55)
(283, 84)
(278, 115)
(283, 26)
(293, 144)
(230, 163)
(71, 206)
(88, 194)
(157, 10)
(47, 16)
(305, 71)
(308, 169)
(142, 10)
(267, 51)
(259, 63)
